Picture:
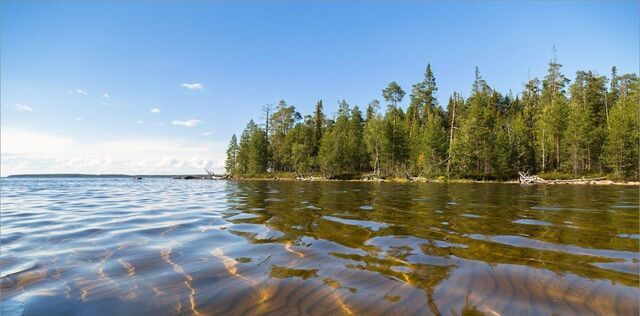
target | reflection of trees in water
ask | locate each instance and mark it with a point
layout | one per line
(441, 212)
(420, 276)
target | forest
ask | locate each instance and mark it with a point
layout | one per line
(554, 127)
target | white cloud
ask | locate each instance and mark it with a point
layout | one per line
(207, 134)
(23, 107)
(78, 91)
(105, 95)
(155, 110)
(193, 86)
(187, 123)
(26, 151)
(139, 122)
(78, 119)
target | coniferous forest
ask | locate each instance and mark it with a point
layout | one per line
(557, 127)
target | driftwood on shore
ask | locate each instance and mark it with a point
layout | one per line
(216, 176)
(312, 178)
(525, 178)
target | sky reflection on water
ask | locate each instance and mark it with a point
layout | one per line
(162, 246)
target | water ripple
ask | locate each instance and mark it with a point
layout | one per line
(173, 247)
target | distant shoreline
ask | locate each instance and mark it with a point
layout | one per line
(82, 175)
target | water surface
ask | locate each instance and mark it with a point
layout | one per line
(173, 247)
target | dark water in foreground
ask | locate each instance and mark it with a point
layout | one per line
(162, 247)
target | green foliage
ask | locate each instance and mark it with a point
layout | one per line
(251, 155)
(358, 159)
(342, 149)
(623, 137)
(281, 121)
(424, 127)
(374, 137)
(318, 126)
(586, 126)
(300, 142)
(257, 153)
(232, 154)
(393, 93)
(434, 147)
(474, 149)
(521, 144)
(553, 122)
(396, 151)
(591, 129)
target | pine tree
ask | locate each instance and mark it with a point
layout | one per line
(230, 164)
(586, 123)
(397, 149)
(434, 145)
(281, 121)
(374, 137)
(531, 120)
(372, 109)
(421, 108)
(553, 115)
(623, 134)
(455, 110)
(244, 147)
(257, 152)
(300, 140)
(318, 126)
(335, 155)
(327, 155)
(474, 148)
(356, 141)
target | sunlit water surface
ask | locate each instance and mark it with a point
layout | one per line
(163, 247)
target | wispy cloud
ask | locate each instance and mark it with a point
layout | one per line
(207, 134)
(193, 86)
(155, 110)
(187, 123)
(23, 107)
(139, 122)
(114, 104)
(78, 119)
(78, 91)
(105, 95)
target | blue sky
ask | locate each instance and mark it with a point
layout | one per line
(79, 79)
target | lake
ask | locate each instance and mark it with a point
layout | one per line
(169, 247)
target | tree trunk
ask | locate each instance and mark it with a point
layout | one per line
(543, 153)
(453, 120)
(557, 152)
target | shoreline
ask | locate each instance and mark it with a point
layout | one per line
(455, 181)
(286, 177)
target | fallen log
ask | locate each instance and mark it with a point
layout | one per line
(580, 180)
(216, 176)
(525, 178)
